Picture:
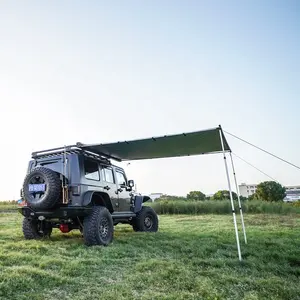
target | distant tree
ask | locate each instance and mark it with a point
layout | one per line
(195, 195)
(242, 198)
(224, 194)
(170, 197)
(270, 191)
(253, 197)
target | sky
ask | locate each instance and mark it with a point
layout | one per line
(105, 71)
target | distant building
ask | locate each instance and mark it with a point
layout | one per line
(292, 187)
(247, 190)
(292, 191)
(155, 196)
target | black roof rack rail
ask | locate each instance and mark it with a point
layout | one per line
(54, 150)
(96, 156)
(70, 150)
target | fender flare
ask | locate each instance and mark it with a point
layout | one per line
(138, 202)
(105, 199)
(87, 198)
(146, 198)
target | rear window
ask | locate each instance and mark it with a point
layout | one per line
(91, 170)
(54, 165)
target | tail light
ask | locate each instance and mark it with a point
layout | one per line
(64, 228)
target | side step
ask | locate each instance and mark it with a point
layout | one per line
(123, 215)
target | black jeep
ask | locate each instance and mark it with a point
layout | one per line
(71, 188)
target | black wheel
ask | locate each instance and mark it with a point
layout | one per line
(145, 220)
(98, 227)
(34, 229)
(41, 188)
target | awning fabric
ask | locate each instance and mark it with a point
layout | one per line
(185, 144)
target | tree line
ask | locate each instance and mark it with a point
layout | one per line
(270, 191)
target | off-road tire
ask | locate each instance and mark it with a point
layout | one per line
(53, 188)
(98, 227)
(31, 229)
(145, 220)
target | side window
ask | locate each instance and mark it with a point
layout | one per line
(91, 170)
(108, 175)
(121, 178)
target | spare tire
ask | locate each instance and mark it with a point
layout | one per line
(41, 188)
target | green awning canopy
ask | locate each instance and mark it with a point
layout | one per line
(185, 144)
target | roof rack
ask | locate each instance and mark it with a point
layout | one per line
(72, 149)
(54, 151)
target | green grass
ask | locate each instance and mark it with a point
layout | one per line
(191, 257)
(8, 206)
(180, 206)
(222, 207)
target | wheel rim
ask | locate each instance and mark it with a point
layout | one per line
(37, 179)
(148, 222)
(104, 228)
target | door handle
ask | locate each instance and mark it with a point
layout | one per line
(119, 190)
(106, 187)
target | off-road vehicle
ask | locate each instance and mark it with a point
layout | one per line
(71, 188)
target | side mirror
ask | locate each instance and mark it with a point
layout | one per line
(131, 183)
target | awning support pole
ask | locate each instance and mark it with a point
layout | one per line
(231, 198)
(239, 200)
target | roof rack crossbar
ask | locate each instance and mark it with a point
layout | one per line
(71, 150)
(53, 150)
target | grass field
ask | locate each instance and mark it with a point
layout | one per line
(8, 205)
(191, 257)
(223, 207)
(191, 207)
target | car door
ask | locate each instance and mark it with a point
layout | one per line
(110, 186)
(123, 191)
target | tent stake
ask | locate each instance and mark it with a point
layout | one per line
(231, 198)
(239, 200)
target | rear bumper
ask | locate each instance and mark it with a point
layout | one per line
(61, 213)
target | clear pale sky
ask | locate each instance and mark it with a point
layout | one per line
(103, 71)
